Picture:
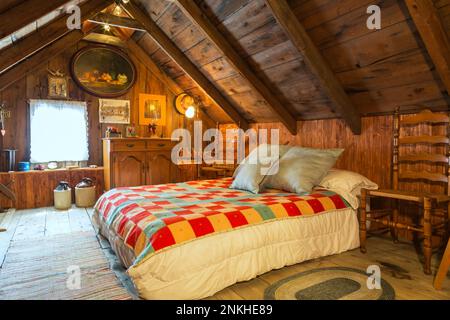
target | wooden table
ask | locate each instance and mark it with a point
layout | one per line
(213, 172)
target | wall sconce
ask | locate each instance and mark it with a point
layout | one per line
(186, 105)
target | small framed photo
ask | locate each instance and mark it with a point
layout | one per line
(114, 111)
(131, 132)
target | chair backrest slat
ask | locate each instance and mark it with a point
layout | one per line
(424, 140)
(412, 153)
(433, 177)
(424, 157)
(426, 116)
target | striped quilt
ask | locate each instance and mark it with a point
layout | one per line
(152, 218)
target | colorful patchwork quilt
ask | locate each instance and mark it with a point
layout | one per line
(151, 218)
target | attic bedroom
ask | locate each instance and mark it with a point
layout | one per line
(234, 150)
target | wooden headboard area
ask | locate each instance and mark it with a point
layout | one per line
(368, 154)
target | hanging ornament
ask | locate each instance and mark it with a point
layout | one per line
(2, 119)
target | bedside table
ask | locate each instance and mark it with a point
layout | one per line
(213, 172)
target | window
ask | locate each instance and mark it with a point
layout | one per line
(58, 130)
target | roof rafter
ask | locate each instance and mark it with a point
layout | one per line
(43, 56)
(45, 35)
(185, 64)
(151, 65)
(191, 9)
(115, 21)
(25, 13)
(142, 56)
(426, 18)
(318, 65)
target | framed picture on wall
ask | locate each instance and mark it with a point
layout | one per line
(114, 111)
(103, 71)
(57, 85)
(152, 109)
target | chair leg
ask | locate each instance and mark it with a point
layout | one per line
(362, 221)
(427, 250)
(443, 268)
(394, 231)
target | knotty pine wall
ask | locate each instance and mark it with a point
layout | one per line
(34, 86)
(368, 154)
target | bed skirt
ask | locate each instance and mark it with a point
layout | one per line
(200, 268)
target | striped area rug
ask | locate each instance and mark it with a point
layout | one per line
(47, 268)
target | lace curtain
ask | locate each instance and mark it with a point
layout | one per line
(58, 131)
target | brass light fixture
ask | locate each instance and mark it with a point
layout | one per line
(185, 104)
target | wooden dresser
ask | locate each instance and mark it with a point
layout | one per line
(138, 161)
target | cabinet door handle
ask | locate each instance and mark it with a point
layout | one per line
(161, 145)
(130, 145)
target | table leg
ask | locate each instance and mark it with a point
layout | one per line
(362, 221)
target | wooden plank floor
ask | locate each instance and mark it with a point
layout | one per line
(400, 264)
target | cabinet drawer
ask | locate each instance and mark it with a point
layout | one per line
(160, 144)
(127, 145)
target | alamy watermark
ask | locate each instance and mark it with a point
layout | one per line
(73, 281)
(374, 20)
(374, 280)
(74, 20)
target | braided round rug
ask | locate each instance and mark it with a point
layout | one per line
(335, 283)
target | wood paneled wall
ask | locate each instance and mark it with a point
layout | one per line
(35, 189)
(34, 86)
(368, 154)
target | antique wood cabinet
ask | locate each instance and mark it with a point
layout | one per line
(138, 161)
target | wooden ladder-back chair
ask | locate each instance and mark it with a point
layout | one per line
(431, 187)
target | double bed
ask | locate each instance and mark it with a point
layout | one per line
(191, 240)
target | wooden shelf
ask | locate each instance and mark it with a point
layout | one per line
(34, 189)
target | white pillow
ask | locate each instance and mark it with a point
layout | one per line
(348, 184)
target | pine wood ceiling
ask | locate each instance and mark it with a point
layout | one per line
(379, 70)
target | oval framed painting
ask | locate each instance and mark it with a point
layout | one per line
(105, 72)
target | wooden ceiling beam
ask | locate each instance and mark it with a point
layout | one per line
(316, 62)
(45, 35)
(192, 10)
(25, 13)
(433, 34)
(185, 64)
(43, 56)
(143, 57)
(115, 21)
(106, 39)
